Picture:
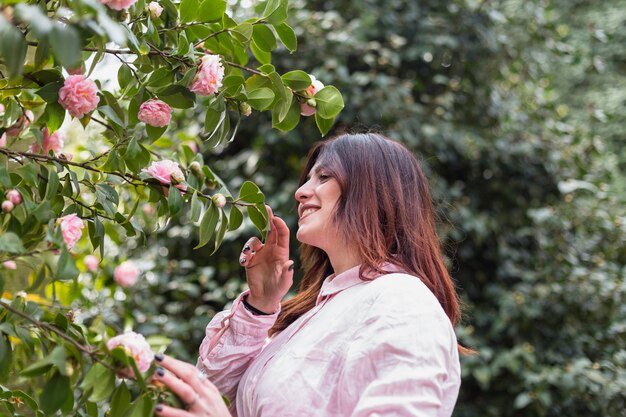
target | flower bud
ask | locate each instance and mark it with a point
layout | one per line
(124, 15)
(210, 184)
(196, 168)
(219, 200)
(177, 177)
(9, 265)
(7, 206)
(155, 9)
(14, 196)
(311, 102)
(245, 109)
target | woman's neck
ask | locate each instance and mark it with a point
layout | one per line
(343, 258)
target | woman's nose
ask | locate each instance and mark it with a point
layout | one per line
(303, 193)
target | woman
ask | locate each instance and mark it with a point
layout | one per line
(370, 332)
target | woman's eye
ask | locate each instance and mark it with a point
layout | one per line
(323, 177)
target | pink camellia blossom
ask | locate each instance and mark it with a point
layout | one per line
(7, 206)
(22, 123)
(155, 9)
(118, 4)
(71, 229)
(126, 274)
(14, 196)
(91, 262)
(9, 265)
(165, 171)
(209, 76)
(136, 346)
(79, 95)
(3, 140)
(51, 142)
(155, 113)
(316, 85)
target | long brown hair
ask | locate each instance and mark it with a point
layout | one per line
(385, 200)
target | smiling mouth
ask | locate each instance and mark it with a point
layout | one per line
(307, 212)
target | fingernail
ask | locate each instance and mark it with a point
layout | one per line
(160, 371)
(158, 357)
(246, 248)
(291, 267)
(159, 408)
(242, 260)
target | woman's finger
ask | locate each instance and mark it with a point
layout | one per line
(252, 246)
(167, 411)
(189, 376)
(282, 232)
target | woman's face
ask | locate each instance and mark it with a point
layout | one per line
(317, 199)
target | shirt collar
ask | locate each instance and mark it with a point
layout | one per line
(334, 284)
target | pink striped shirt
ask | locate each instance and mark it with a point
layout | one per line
(382, 347)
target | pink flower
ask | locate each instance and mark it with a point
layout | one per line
(155, 113)
(22, 123)
(316, 85)
(9, 265)
(118, 4)
(126, 274)
(91, 262)
(71, 229)
(136, 346)
(155, 9)
(14, 196)
(3, 140)
(50, 142)
(209, 76)
(79, 95)
(7, 206)
(165, 171)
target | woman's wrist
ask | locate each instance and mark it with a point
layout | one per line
(252, 307)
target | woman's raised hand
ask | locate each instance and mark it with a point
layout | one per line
(268, 268)
(200, 397)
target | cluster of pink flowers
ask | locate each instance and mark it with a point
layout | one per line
(209, 76)
(136, 346)
(9, 265)
(71, 229)
(91, 262)
(118, 4)
(126, 274)
(316, 85)
(167, 172)
(51, 142)
(79, 95)
(13, 199)
(155, 113)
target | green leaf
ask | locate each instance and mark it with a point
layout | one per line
(124, 76)
(120, 401)
(5, 180)
(109, 113)
(101, 379)
(55, 393)
(250, 193)
(207, 225)
(323, 125)
(221, 231)
(212, 10)
(287, 36)
(264, 38)
(42, 54)
(38, 22)
(213, 122)
(261, 99)
(50, 92)
(174, 201)
(233, 84)
(262, 56)
(55, 115)
(236, 218)
(66, 45)
(56, 358)
(275, 11)
(329, 102)
(188, 10)
(136, 156)
(142, 407)
(297, 80)
(6, 356)
(196, 207)
(66, 266)
(52, 185)
(13, 47)
(291, 120)
(177, 96)
(154, 132)
(11, 243)
(258, 216)
(243, 32)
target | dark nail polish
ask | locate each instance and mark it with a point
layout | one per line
(246, 248)
(291, 267)
(160, 371)
(159, 408)
(158, 357)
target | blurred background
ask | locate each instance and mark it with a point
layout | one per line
(516, 109)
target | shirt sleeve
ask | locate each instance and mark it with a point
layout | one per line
(404, 360)
(233, 339)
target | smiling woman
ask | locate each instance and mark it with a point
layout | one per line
(370, 331)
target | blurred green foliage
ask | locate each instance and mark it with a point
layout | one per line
(516, 109)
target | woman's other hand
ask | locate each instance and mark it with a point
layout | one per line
(200, 396)
(268, 268)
